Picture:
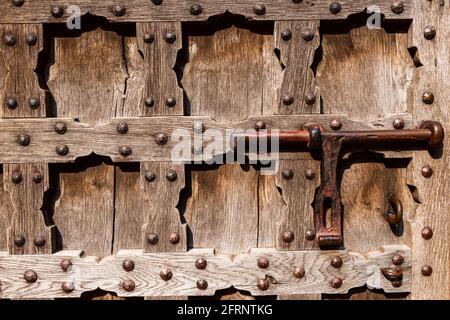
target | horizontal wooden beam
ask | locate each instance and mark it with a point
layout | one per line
(214, 272)
(78, 139)
(39, 11)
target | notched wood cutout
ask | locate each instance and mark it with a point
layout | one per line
(26, 185)
(159, 43)
(222, 271)
(20, 93)
(296, 44)
(163, 230)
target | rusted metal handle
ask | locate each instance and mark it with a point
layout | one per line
(395, 215)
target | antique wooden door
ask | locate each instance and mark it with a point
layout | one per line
(119, 175)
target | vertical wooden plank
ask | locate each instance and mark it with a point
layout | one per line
(433, 76)
(159, 43)
(5, 213)
(19, 48)
(366, 74)
(26, 184)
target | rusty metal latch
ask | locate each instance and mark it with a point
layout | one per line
(329, 146)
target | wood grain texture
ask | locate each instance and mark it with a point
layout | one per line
(160, 57)
(432, 194)
(368, 73)
(26, 218)
(105, 140)
(38, 11)
(160, 198)
(297, 55)
(5, 214)
(89, 273)
(17, 71)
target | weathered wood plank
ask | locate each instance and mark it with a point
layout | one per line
(5, 214)
(26, 185)
(38, 11)
(432, 76)
(89, 273)
(19, 83)
(105, 140)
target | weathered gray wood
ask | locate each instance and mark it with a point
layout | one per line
(432, 194)
(26, 218)
(17, 76)
(38, 11)
(89, 273)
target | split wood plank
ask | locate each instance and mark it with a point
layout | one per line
(26, 185)
(38, 11)
(88, 273)
(432, 76)
(297, 42)
(18, 79)
(162, 95)
(367, 73)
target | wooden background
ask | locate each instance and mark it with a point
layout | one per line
(230, 69)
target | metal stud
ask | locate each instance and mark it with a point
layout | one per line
(286, 35)
(263, 262)
(310, 235)
(39, 241)
(195, 9)
(259, 9)
(128, 285)
(299, 272)
(263, 284)
(287, 174)
(260, 125)
(122, 127)
(288, 236)
(149, 102)
(428, 97)
(57, 11)
(335, 7)
(34, 102)
(149, 38)
(23, 139)
(62, 150)
(336, 283)
(429, 33)
(310, 99)
(10, 39)
(202, 284)
(11, 102)
(150, 176)
(152, 239)
(157, 2)
(287, 99)
(30, 276)
(336, 262)
(174, 238)
(166, 274)
(16, 176)
(297, 1)
(308, 35)
(427, 171)
(397, 7)
(336, 124)
(18, 3)
(310, 174)
(427, 233)
(171, 102)
(60, 127)
(427, 271)
(119, 10)
(68, 287)
(161, 138)
(128, 265)
(19, 240)
(37, 176)
(171, 175)
(65, 265)
(397, 283)
(170, 37)
(201, 264)
(398, 124)
(125, 151)
(31, 39)
(398, 260)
